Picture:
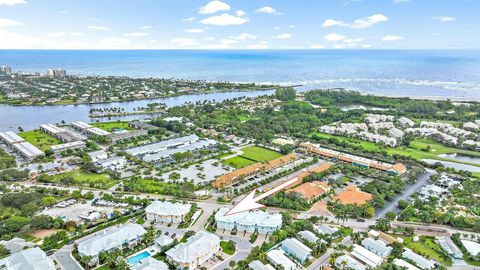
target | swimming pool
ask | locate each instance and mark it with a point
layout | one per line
(135, 259)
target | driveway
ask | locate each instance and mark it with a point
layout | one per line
(65, 260)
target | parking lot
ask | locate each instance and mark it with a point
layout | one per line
(206, 169)
(73, 212)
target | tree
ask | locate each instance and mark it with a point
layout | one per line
(232, 264)
(285, 94)
(4, 251)
(382, 224)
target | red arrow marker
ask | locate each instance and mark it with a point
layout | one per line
(250, 201)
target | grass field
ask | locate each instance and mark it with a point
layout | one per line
(79, 178)
(228, 247)
(251, 155)
(370, 146)
(109, 126)
(427, 247)
(40, 139)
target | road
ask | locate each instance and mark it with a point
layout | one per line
(65, 259)
(409, 190)
(325, 258)
(243, 249)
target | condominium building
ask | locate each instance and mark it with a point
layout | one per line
(376, 246)
(366, 256)
(60, 133)
(123, 236)
(252, 221)
(159, 211)
(66, 146)
(296, 249)
(197, 250)
(18, 144)
(277, 258)
(347, 261)
(56, 73)
(88, 129)
(420, 261)
(31, 259)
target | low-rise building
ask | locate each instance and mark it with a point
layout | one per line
(120, 237)
(404, 264)
(296, 249)
(308, 236)
(252, 221)
(325, 229)
(353, 195)
(376, 246)
(17, 143)
(159, 211)
(449, 246)
(197, 250)
(258, 265)
(311, 190)
(66, 146)
(150, 263)
(114, 137)
(420, 261)
(28, 259)
(346, 261)
(277, 258)
(163, 241)
(369, 258)
(112, 163)
(472, 247)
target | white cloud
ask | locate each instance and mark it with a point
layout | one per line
(99, 28)
(367, 46)
(444, 19)
(12, 2)
(209, 38)
(185, 42)
(334, 37)
(258, 46)
(114, 43)
(224, 19)
(62, 34)
(191, 19)
(317, 46)
(245, 36)
(391, 38)
(291, 26)
(213, 7)
(361, 23)
(135, 34)
(339, 46)
(400, 1)
(277, 28)
(240, 13)
(228, 41)
(268, 10)
(352, 40)
(76, 34)
(217, 47)
(11, 40)
(146, 27)
(7, 23)
(194, 31)
(283, 36)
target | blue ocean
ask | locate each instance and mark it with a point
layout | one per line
(416, 73)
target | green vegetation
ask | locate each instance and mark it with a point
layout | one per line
(251, 155)
(239, 162)
(6, 160)
(369, 146)
(185, 190)
(427, 247)
(111, 126)
(40, 139)
(79, 178)
(228, 247)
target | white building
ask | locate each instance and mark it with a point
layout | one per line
(369, 258)
(406, 122)
(347, 261)
(113, 163)
(196, 251)
(277, 257)
(159, 211)
(88, 129)
(325, 229)
(163, 241)
(66, 146)
(471, 126)
(126, 235)
(252, 221)
(402, 263)
(97, 155)
(472, 247)
(18, 144)
(296, 249)
(28, 259)
(420, 261)
(449, 246)
(258, 265)
(308, 236)
(150, 263)
(376, 246)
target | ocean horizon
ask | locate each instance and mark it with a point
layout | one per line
(421, 73)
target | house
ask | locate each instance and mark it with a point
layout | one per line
(346, 261)
(366, 256)
(449, 246)
(258, 265)
(308, 236)
(197, 250)
(472, 247)
(404, 264)
(353, 195)
(31, 259)
(16, 244)
(150, 263)
(123, 236)
(376, 246)
(277, 258)
(420, 261)
(159, 211)
(112, 163)
(296, 249)
(311, 190)
(163, 241)
(252, 221)
(405, 122)
(97, 155)
(381, 236)
(325, 229)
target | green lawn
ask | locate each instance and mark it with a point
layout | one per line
(40, 139)
(80, 178)
(228, 247)
(370, 146)
(428, 248)
(238, 162)
(251, 155)
(109, 126)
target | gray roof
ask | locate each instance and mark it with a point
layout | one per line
(298, 249)
(29, 259)
(309, 236)
(257, 265)
(325, 229)
(350, 262)
(16, 244)
(420, 261)
(376, 246)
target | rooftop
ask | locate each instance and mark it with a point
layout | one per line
(168, 208)
(196, 246)
(31, 259)
(259, 218)
(311, 190)
(353, 195)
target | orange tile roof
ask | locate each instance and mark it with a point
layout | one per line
(321, 168)
(399, 168)
(353, 195)
(311, 190)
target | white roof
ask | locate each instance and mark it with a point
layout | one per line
(296, 248)
(52, 128)
(366, 256)
(376, 246)
(196, 246)
(150, 264)
(278, 257)
(422, 262)
(168, 208)
(27, 149)
(402, 263)
(97, 131)
(309, 236)
(110, 238)
(31, 259)
(258, 265)
(259, 218)
(325, 229)
(81, 125)
(350, 262)
(11, 137)
(69, 145)
(163, 241)
(472, 247)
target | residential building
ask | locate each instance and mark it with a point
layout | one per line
(404, 264)
(97, 155)
(16, 244)
(311, 190)
(471, 126)
(277, 257)
(56, 73)
(325, 229)
(308, 236)
(296, 249)
(366, 256)
(5, 70)
(353, 195)
(150, 263)
(114, 137)
(472, 247)
(252, 221)
(159, 211)
(376, 246)
(31, 259)
(258, 265)
(346, 261)
(420, 261)
(112, 163)
(405, 122)
(17, 143)
(142, 125)
(381, 236)
(60, 133)
(197, 250)
(66, 146)
(88, 129)
(119, 237)
(163, 241)
(449, 246)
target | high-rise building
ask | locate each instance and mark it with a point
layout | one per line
(56, 73)
(5, 70)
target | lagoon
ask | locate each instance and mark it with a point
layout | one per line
(454, 165)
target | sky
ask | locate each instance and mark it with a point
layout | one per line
(239, 24)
